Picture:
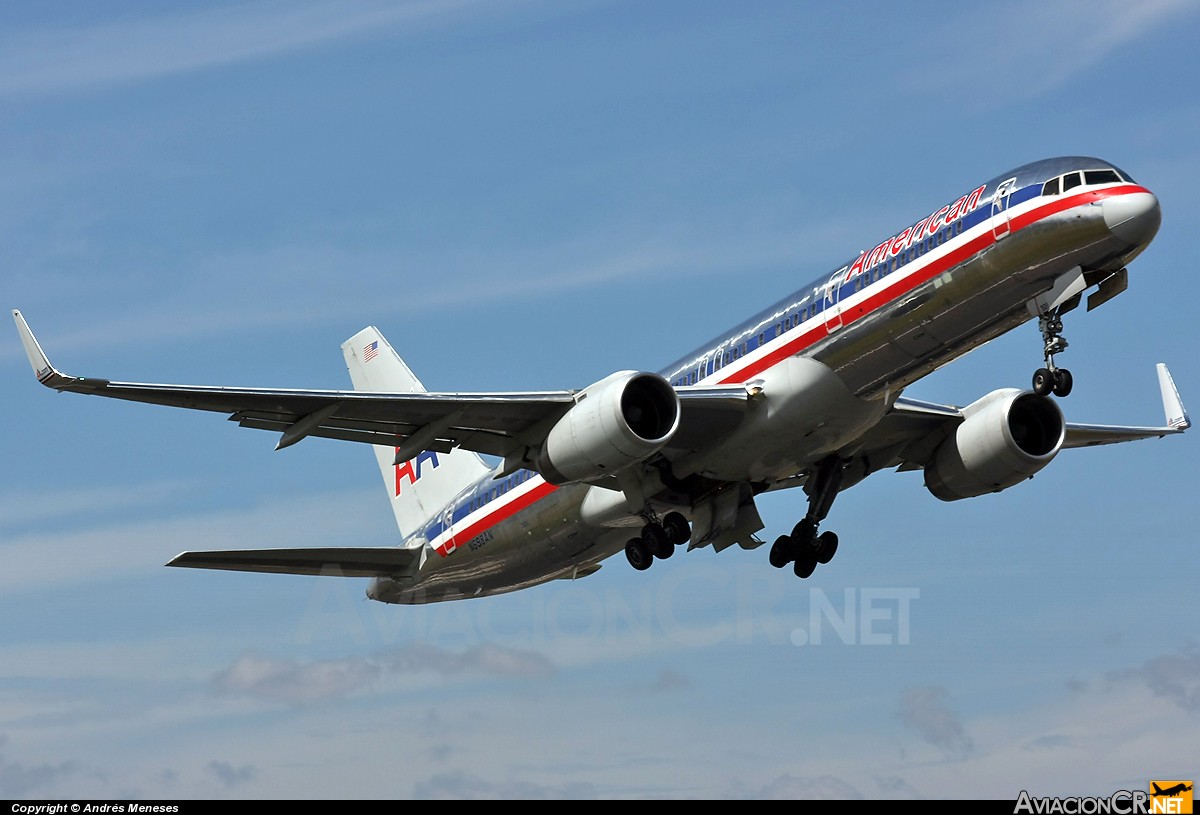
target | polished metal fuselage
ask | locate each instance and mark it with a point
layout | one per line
(827, 362)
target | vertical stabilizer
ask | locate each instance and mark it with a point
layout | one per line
(421, 488)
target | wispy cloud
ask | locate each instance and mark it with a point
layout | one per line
(789, 787)
(104, 552)
(926, 710)
(1033, 47)
(18, 508)
(669, 681)
(458, 786)
(18, 779)
(401, 282)
(133, 49)
(1171, 676)
(301, 683)
(295, 682)
(230, 775)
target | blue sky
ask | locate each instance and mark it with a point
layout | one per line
(531, 195)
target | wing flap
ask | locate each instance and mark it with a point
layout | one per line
(375, 561)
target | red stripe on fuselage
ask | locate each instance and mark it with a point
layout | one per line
(918, 277)
(496, 516)
(794, 346)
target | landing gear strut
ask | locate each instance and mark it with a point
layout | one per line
(657, 541)
(804, 546)
(1052, 379)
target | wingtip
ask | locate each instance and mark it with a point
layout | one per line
(42, 369)
(1173, 409)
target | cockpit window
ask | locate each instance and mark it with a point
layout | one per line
(1101, 177)
(1090, 177)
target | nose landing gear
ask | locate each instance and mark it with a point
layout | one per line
(1052, 379)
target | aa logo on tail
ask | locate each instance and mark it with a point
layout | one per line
(411, 469)
(1171, 797)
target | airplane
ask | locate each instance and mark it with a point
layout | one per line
(805, 394)
(1170, 791)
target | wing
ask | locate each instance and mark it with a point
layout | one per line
(910, 433)
(500, 424)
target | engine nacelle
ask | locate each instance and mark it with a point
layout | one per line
(621, 420)
(1006, 437)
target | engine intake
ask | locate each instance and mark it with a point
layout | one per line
(620, 420)
(1005, 438)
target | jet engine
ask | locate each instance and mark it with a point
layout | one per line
(1005, 437)
(620, 420)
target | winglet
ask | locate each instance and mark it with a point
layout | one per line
(42, 368)
(1177, 417)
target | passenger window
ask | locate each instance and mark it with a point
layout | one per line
(1050, 187)
(1071, 180)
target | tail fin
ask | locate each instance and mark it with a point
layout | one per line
(421, 488)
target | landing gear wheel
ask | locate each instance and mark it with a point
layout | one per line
(781, 552)
(1043, 381)
(806, 564)
(803, 533)
(655, 538)
(1063, 382)
(677, 529)
(638, 554)
(827, 545)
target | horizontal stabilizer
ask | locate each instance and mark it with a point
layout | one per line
(375, 561)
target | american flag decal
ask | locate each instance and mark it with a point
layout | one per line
(371, 351)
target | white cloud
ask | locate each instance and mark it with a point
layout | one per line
(17, 779)
(1012, 51)
(926, 710)
(134, 49)
(296, 682)
(822, 788)
(457, 786)
(36, 562)
(17, 508)
(464, 277)
(1172, 676)
(232, 776)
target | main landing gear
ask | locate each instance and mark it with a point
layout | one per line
(1052, 379)
(804, 546)
(658, 540)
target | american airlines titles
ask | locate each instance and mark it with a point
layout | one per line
(896, 244)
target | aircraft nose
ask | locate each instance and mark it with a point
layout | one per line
(1133, 217)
